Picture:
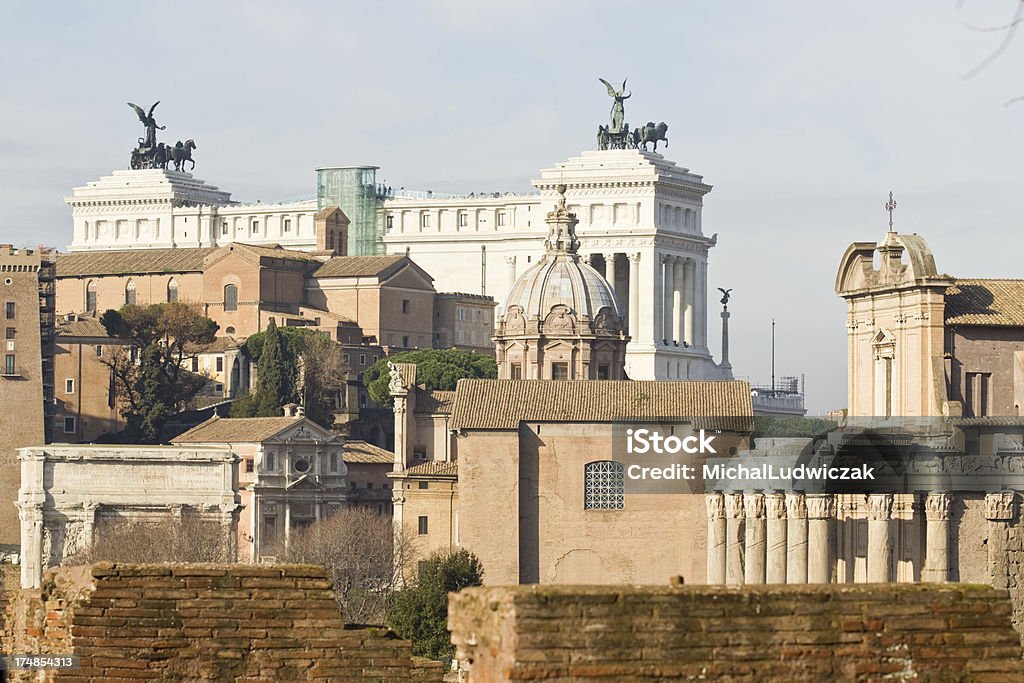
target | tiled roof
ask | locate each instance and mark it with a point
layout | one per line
(434, 468)
(985, 302)
(218, 345)
(134, 262)
(81, 327)
(503, 404)
(434, 402)
(357, 266)
(237, 429)
(271, 251)
(363, 452)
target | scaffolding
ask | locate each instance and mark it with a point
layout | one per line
(354, 189)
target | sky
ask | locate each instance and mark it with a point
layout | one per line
(803, 115)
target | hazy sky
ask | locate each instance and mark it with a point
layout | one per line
(803, 115)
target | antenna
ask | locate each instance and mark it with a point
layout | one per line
(773, 356)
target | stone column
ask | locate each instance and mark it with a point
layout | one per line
(668, 293)
(678, 294)
(1000, 511)
(609, 270)
(32, 561)
(634, 295)
(754, 567)
(796, 538)
(510, 262)
(688, 303)
(400, 396)
(659, 300)
(879, 539)
(716, 538)
(734, 539)
(775, 506)
(820, 510)
(936, 558)
(702, 305)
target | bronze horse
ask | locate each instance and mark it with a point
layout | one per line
(651, 133)
(181, 153)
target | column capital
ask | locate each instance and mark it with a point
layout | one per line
(633, 257)
(820, 506)
(753, 505)
(776, 505)
(1001, 506)
(609, 255)
(510, 260)
(936, 507)
(796, 505)
(668, 258)
(734, 503)
(716, 505)
(880, 507)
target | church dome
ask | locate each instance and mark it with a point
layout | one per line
(562, 279)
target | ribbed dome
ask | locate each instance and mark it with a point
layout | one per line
(561, 278)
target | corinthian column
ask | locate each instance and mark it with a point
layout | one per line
(609, 270)
(669, 297)
(634, 295)
(678, 294)
(879, 540)
(820, 510)
(775, 507)
(510, 261)
(1000, 511)
(796, 538)
(734, 539)
(688, 304)
(754, 569)
(659, 298)
(936, 554)
(716, 538)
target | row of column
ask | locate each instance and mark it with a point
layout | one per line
(676, 300)
(787, 537)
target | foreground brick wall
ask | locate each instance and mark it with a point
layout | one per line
(203, 623)
(783, 634)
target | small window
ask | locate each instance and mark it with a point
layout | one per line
(90, 297)
(405, 306)
(220, 363)
(224, 228)
(249, 465)
(345, 358)
(129, 293)
(99, 352)
(362, 400)
(424, 485)
(376, 358)
(230, 297)
(463, 219)
(604, 485)
(269, 462)
(501, 219)
(369, 485)
(390, 221)
(69, 386)
(172, 291)
(603, 371)
(69, 425)
(332, 462)
(255, 227)
(425, 220)
(195, 363)
(422, 525)
(516, 371)
(287, 224)
(269, 530)
(9, 364)
(10, 310)
(10, 332)
(362, 359)
(559, 371)
(405, 342)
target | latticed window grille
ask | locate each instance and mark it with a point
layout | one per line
(604, 485)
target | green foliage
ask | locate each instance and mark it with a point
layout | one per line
(275, 378)
(157, 385)
(767, 426)
(420, 613)
(436, 368)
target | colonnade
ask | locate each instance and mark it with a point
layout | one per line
(775, 537)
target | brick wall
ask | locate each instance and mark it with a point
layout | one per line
(203, 623)
(951, 632)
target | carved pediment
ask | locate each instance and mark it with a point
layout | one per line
(515, 323)
(606, 321)
(560, 321)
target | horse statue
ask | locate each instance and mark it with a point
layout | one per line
(603, 139)
(651, 133)
(181, 153)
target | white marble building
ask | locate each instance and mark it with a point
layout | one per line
(640, 226)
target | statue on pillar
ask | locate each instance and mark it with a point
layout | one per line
(397, 381)
(618, 114)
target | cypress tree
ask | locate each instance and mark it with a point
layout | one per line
(275, 381)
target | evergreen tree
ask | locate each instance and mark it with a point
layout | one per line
(435, 368)
(275, 379)
(151, 410)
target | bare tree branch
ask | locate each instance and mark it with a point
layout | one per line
(1010, 30)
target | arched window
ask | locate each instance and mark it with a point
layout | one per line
(129, 292)
(90, 297)
(230, 297)
(172, 291)
(604, 485)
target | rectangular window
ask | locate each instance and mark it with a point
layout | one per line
(287, 224)
(422, 525)
(10, 332)
(559, 371)
(9, 364)
(69, 425)
(977, 393)
(195, 363)
(390, 222)
(405, 306)
(603, 371)
(376, 358)
(90, 301)
(333, 462)
(99, 352)
(69, 386)
(463, 219)
(268, 461)
(425, 220)
(362, 359)
(516, 371)
(424, 484)
(10, 310)
(224, 228)
(249, 465)
(220, 363)
(501, 219)
(255, 227)
(405, 342)
(269, 530)
(345, 358)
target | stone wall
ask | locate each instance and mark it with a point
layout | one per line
(203, 623)
(950, 632)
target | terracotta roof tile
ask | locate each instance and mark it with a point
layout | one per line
(435, 402)
(358, 266)
(503, 404)
(237, 429)
(83, 326)
(434, 468)
(134, 262)
(364, 452)
(985, 302)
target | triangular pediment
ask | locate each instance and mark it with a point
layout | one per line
(882, 337)
(304, 430)
(304, 483)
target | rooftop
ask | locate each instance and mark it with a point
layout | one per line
(365, 452)
(982, 302)
(237, 429)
